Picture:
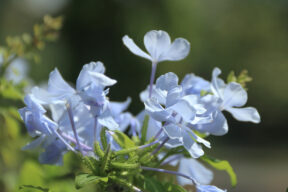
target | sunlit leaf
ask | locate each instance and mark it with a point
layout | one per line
(221, 165)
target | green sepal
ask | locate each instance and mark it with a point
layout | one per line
(84, 179)
(103, 138)
(144, 130)
(126, 151)
(221, 165)
(124, 165)
(33, 188)
(122, 139)
(105, 160)
(97, 150)
(91, 163)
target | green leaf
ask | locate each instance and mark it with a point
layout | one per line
(144, 129)
(34, 188)
(174, 188)
(11, 125)
(85, 179)
(151, 184)
(32, 173)
(122, 139)
(221, 165)
(10, 91)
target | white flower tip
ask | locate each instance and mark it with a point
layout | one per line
(126, 38)
(216, 71)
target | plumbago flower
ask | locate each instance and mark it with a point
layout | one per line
(229, 97)
(180, 112)
(77, 115)
(170, 130)
(159, 46)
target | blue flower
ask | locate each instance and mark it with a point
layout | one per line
(40, 126)
(177, 110)
(159, 46)
(35, 120)
(232, 96)
(195, 170)
(193, 84)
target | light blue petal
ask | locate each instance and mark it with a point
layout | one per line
(194, 169)
(93, 96)
(234, 95)
(156, 110)
(178, 50)
(172, 143)
(174, 95)
(84, 79)
(157, 43)
(193, 84)
(218, 126)
(245, 114)
(167, 81)
(184, 109)
(119, 107)
(129, 43)
(124, 120)
(218, 84)
(58, 87)
(191, 146)
(53, 153)
(208, 188)
(106, 120)
(100, 79)
(153, 125)
(159, 94)
(173, 131)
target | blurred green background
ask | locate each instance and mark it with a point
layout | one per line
(229, 34)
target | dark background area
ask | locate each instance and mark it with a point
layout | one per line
(232, 35)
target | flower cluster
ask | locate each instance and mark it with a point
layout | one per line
(179, 115)
(77, 115)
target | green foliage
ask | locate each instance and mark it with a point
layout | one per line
(174, 188)
(11, 99)
(123, 140)
(84, 179)
(32, 188)
(151, 184)
(27, 45)
(221, 165)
